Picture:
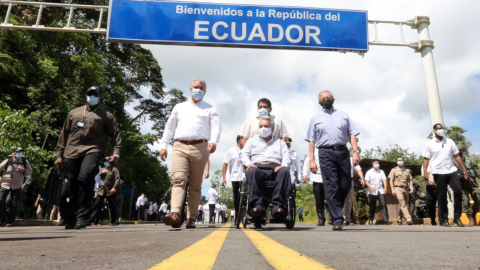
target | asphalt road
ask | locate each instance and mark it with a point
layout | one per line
(274, 247)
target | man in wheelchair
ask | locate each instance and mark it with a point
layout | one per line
(267, 159)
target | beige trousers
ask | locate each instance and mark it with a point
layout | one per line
(55, 212)
(188, 164)
(347, 206)
(402, 196)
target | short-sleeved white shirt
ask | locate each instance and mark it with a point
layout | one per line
(235, 168)
(250, 128)
(440, 154)
(375, 178)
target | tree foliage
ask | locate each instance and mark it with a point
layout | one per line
(225, 194)
(391, 154)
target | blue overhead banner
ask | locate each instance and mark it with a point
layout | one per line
(206, 24)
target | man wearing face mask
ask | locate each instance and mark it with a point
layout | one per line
(82, 144)
(13, 172)
(329, 131)
(195, 127)
(235, 170)
(267, 158)
(250, 128)
(438, 153)
(111, 179)
(401, 182)
(376, 182)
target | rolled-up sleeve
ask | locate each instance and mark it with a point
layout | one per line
(311, 135)
(245, 154)
(286, 160)
(170, 127)
(352, 130)
(215, 127)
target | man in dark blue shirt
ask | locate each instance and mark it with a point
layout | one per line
(300, 214)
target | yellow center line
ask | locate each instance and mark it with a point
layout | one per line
(200, 255)
(279, 256)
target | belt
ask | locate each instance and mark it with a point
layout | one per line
(335, 147)
(191, 142)
(267, 163)
(401, 186)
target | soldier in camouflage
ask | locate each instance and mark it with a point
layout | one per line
(470, 188)
(362, 201)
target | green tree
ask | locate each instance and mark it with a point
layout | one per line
(391, 154)
(225, 194)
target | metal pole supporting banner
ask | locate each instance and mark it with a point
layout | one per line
(130, 211)
(425, 47)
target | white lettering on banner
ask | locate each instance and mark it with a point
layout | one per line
(214, 30)
(198, 29)
(311, 32)
(202, 11)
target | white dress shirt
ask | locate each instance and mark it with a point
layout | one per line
(163, 208)
(250, 128)
(235, 168)
(190, 121)
(440, 154)
(200, 207)
(375, 178)
(232, 213)
(295, 166)
(212, 196)
(257, 150)
(314, 177)
(141, 200)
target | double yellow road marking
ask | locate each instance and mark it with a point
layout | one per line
(203, 253)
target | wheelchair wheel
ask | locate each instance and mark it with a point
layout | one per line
(292, 209)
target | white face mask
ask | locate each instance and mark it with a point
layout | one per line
(440, 132)
(265, 132)
(376, 165)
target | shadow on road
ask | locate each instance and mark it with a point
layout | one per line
(31, 238)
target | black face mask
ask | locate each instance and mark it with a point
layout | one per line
(327, 104)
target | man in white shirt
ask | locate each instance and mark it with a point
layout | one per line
(200, 213)
(376, 180)
(267, 158)
(141, 206)
(318, 190)
(217, 211)
(221, 211)
(438, 153)
(235, 170)
(295, 171)
(162, 211)
(232, 215)
(348, 205)
(250, 128)
(195, 127)
(212, 197)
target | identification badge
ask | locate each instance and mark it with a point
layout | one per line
(80, 124)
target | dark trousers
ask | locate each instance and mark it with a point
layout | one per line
(300, 218)
(373, 205)
(337, 180)
(319, 194)
(236, 196)
(141, 212)
(211, 212)
(221, 216)
(442, 180)
(432, 193)
(98, 206)
(16, 195)
(200, 215)
(78, 188)
(256, 177)
(160, 216)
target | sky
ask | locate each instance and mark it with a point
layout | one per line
(383, 92)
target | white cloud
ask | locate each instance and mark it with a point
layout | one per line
(383, 92)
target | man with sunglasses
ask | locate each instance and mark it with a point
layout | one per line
(83, 144)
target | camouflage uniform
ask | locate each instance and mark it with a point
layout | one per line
(414, 197)
(362, 200)
(469, 188)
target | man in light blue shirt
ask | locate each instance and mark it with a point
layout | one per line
(329, 131)
(267, 158)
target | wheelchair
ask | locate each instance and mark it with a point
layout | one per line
(243, 217)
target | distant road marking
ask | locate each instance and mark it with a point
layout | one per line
(199, 256)
(279, 256)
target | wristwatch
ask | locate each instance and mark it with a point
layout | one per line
(355, 151)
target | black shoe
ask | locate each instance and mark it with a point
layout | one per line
(61, 222)
(321, 223)
(458, 222)
(370, 222)
(113, 224)
(387, 222)
(69, 226)
(80, 224)
(337, 226)
(433, 222)
(409, 223)
(445, 224)
(399, 222)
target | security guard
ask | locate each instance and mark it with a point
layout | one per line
(469, 188)
(83, 144)
(295, 171)
(362, 201)
(401, 183)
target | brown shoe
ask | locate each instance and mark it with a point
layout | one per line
(191, 223)
(172, 220)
